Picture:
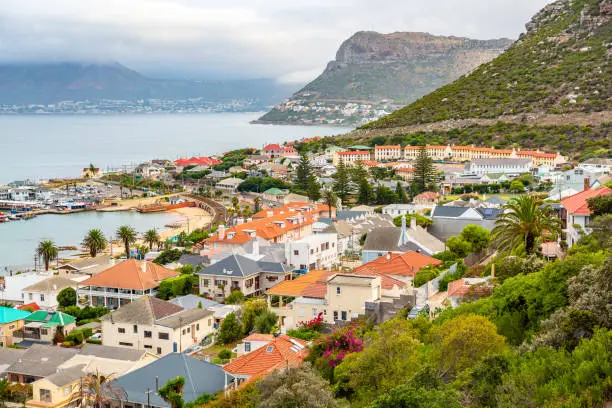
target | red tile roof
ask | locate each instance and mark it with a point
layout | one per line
(406, 264)
(197, 161)
(427, 195)
(577, 203)
(272, 146)
(30, 306)
(387, 147)
(259, 337)
(280, 352)
(460, 288)
(129, 275)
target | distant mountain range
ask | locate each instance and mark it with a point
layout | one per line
(382, 72)
(47, 83)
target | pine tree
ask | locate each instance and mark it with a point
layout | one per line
(313, 189)
(302, 173)
(366, 192)
(342, 182)
(424, 172)
(401, 194)
(358, 173)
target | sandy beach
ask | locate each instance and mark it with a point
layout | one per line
(194, 218)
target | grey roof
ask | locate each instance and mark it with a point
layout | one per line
(41, 360)
(383, 239)
(240, 266)
(448, 211)
(53, 284)
(495, 200)
(200, 377)
(344, 215)
(66, 376)
(192, 301)
(115, 353)
(143, 311)
(489, 213)
(502, 161)
(8, 356)
(89, 266)
(187, 316)
(193, 260)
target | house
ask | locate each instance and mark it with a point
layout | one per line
(428, 198)
(11, 320)
(501, 165)
(252, 343)
(318, 161)
(195, 260)
(39, 361)
(14, 284)
(256, 159)
(273, 150)
(193, 302)
(395, 210)
(89, 266)
(294, 198)
(290, 151)
(468, 287)
(330, 152)
(8, 356)
(364, 208)
(275, 194)
(381, 241)
(350, 158)
(318, 251)
(42, 326)
(156, 326)
(123, 283)
(140, 386)
(405, 173)
(237, 272)
(282, 352)
(45, 292)
(576, 214)
(229, 185)
(449, 220)
(197, 161)
(388, 153)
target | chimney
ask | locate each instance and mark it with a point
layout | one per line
(413, 224)
(143, 266)
(587, 183)
(221, 231)
(388, 256)
(255, 247)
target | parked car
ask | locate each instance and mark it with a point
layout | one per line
(96, 336)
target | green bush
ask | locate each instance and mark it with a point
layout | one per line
(225, 354)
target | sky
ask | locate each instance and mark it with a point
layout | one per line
(291, 40)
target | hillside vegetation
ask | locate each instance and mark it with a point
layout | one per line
(561, 65)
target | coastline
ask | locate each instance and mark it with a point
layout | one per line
(284, 123)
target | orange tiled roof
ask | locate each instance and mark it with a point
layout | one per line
(312, 284)
(280, 352)
(460, 288)
(577, 204)
(404, 170)
(536, 154)
(129, 275)
(259, 337)
(370, 163)
(427, 195)
(292, 208)
(406, 264)
(387, 147)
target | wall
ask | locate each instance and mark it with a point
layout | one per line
(59, 395)
(6, 332)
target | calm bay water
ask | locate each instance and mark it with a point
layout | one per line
(38, 147)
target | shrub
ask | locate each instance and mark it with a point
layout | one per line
(225, 354)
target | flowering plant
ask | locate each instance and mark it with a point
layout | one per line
(339, 344)
(315, 324)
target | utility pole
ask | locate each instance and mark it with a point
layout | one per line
(181, 334)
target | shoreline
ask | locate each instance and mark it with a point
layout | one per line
(284, 123)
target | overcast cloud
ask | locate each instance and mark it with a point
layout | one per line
(287, 39)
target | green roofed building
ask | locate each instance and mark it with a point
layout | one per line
(11, 320)
(360, 147)
(274, 194)
(43, 325)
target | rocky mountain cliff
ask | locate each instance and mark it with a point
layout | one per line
(380, 72)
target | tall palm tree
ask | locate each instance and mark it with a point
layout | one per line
(523, 221)
(48, 251)
(330, 198)
(126, 234)
(257, 202)
(94, 241)
(96, 391)
(151, 237)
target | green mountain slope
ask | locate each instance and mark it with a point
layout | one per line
(560, 66)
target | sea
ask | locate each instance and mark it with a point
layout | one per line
(38, 147)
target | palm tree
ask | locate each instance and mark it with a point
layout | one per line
(257, 202)
(126, 234)
(96, 391)
(330, 198)
(48, 251)
(523, 221)
(151, 237)
(94, 241)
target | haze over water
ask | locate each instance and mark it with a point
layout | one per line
(38, 147)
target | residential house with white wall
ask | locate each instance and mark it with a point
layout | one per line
(318, 251)
(576, 214)
(44, 293)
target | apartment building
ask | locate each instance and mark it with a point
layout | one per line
(388, 153)
(350, 158)
(318, 251)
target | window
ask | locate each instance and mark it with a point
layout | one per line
(163, 336)
(189, 330)
(135, 329)
(324, 312)
(11, 327)
(43, 332)
(335, 315)
(45, 395)
(343, 315)
(247, 347)
(159, 350)
(148, 346)
(314, 312)
(205, 282)
(269, 349)
(148, 334)
(337, 290)
(31, 297)
(123, 343)
(296, 252)
(121, 330)
(197, 326)
(184, 331)
(42, 297)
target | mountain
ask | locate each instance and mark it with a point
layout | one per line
(47, 83)
(560, 66)
(382, 72)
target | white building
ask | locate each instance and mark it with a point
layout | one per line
(11, 287)
(253, 342)
(229, 184)
(318, 251)
(351, 157)
(395, 210)
(388, 153)
(497, 166)
(45, 292)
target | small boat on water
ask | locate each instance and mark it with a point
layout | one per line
(4, 218)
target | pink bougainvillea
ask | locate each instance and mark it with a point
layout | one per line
(339, 344)
(315, 324)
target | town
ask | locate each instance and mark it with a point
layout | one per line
(306, 246)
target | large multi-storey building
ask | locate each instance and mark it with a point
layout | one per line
(387, 153)
(350, 158)
(467, 153)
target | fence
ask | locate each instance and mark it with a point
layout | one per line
(432, 287)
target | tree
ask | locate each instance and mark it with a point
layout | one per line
(522, 222)
(230, 329)
(303, 172)
(67, 297)
(384, 195)
(460, 342)
(48, 251)
(295, 387)
(358, 173)
(236, 296)
(405, 396)
(516, 186)
(459, 246)
(127, 235)
(257, 203)
(365, 195)
(96, 390)
(266, 321)
(600, 205)
(151, 237)
(330, 199)
(94, 241)
(401, 194)
(424, 172)
(250, 310)
(342, 182)
(313, 189)
(172, 392)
